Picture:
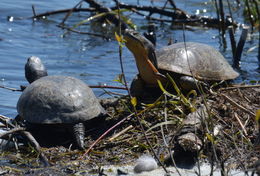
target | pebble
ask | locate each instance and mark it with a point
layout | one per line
(145, 163)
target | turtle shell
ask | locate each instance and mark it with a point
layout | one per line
(58, 99)
(202, 61)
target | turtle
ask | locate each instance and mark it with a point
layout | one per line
(57, 101)
(186, 62)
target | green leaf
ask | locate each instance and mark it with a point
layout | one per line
(210, 138)
(120, 79)
(89, 19)
(134, 101)
(164, 90)
(161, 86)
(114, 12)
(120, 39)
(129, 22)
(192, 92)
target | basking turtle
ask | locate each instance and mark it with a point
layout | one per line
(185, 62)
(60, 100)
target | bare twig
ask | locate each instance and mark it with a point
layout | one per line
(240, 123)
(240, 46)
(172, 4)
(9, 88)
(14, 130)
(222, 16)
(33, 10)
(249, 11)
(70, 12)
(120, 56)
(111, 17)
(230, 12)
(116, 125)
(108, 87)
(5, 120)
(37, 147)
(104, 134)
(80, 32)
(239, 86)
(120, 133)
(237, 105)
(41, 15)
(232, 40)
(177, 14)
(217, 9)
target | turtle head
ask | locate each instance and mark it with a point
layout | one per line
(140, 46)
(34, 69)
(144, 53)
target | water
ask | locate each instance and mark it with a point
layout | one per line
(91, 59)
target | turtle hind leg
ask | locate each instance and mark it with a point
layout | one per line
(79, 135)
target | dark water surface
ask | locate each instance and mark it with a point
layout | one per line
(91, 59)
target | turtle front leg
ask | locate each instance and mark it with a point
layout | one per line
(79, 135)
(188, 83)
(137, 87)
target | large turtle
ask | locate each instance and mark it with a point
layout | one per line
(185, 62)
(60, 100)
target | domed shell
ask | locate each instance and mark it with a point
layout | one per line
(202, 61)
(58, 99)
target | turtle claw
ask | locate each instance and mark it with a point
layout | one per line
(79, 135)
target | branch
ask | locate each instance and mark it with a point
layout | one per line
(80, 32)
(6, 121)
(62, 11)
(108, 87)
(14, 130)
(37, 147)
(177, 15)
(9, 88)
(111, 17)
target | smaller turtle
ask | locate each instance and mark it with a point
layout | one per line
(34, 69)
(57, 100)
(187, 63)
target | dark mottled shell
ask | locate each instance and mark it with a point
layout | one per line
(58, 99)
(200, 60)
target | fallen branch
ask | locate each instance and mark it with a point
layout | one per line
(11, 131)
(6, 121)
(111, 17)
(178, 14)
(37, 147)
